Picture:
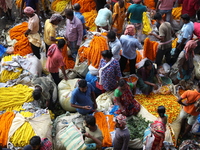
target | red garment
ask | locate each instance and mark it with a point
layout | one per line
(46, 144)
(160, 127)
(132, 107)
(55, 59)
(197, 29)
(189, 6)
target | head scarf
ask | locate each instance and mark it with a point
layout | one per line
(121, 119)
(189, 47)
(130, 30)
(29, 10)
(55, 17)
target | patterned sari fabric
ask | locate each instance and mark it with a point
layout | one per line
(159, 127)
(132, 107)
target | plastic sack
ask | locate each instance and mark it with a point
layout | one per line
(104, 101)
(36, 66)
(149, 142)
(65, 89)
(196, 61)
(196, 126)
(93, 70)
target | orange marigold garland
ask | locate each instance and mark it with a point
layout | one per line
(86, 5)
(150, 49)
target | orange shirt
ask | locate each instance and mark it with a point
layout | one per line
(191, 96)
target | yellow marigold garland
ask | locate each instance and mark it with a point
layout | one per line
(15, 96)
(90, 18)
(23, 134)
(59, 5)
(176, 12)
(146, 24)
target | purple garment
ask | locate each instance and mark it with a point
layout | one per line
(74, 30)
(109, 74)
(31, 3)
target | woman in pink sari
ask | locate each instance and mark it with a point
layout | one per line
(158, 128)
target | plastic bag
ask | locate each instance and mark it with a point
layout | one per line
(149, 142)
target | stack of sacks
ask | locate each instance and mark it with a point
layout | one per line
(22, 47)
(86, 5)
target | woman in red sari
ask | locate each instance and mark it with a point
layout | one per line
(158, 128)
(124, 98)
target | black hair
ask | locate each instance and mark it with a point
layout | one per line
(82, 83)
(107, 54)
(107, 6)
(61, 43)
(69, 12)
(185, 17)
(36, 94)
(147, 63)
(122, 82)
(157, 16)
(90, 120)
(77, 6)
(111, 35)
(35, 141)
(161, 111)
(198, 84)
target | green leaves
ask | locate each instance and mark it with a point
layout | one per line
(137, 126)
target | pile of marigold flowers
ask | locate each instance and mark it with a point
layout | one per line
(152, 101)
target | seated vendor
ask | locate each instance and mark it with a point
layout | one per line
(45, 92)
(125, 99)
(36, 143)
(93, 135)
(146, 76)
(83, 98)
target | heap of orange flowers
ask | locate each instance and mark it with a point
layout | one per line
(22, 47)
(87, 5)
(93, 52)
(150, 49)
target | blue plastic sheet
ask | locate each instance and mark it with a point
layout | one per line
(2, 50)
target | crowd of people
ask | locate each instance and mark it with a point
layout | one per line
(122, 22)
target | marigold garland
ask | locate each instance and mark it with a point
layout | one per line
(15, 96)
(93, 52)
(90, 18)
(59, 5)
(22, 47)
(150, 49)
(176, 12)
(5, 121)
(146, 23)
(86, 5)
(106, 125)
(150, 4)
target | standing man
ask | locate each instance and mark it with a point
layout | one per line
(77, 13)
(165, 36)
(104, 18)
(184, 36)
(83, 98)
(50, 30)
(189, 110)
(165, 7)
(129, 45)
(32, 32)
(135, 11)
(122, 134)
(74, 32)
(115, 45)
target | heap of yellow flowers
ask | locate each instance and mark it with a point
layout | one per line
(90, 18)
(59, 5)
(152, 102)
(15, 96)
